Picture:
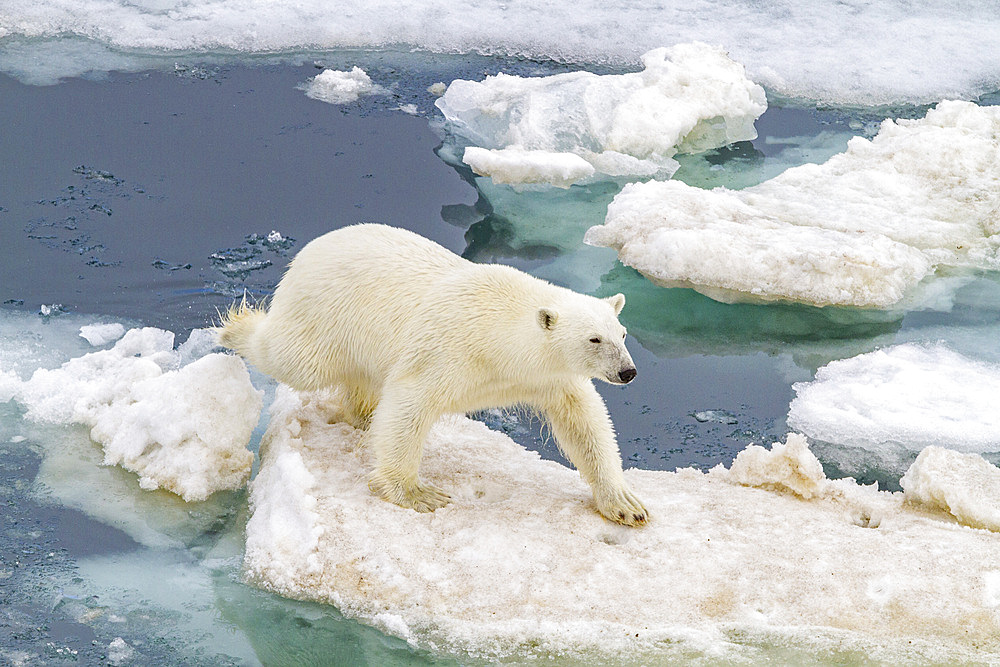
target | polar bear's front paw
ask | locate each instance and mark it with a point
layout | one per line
(622, 506)
(414, 495)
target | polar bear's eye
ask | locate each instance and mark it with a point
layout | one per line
(595, 339)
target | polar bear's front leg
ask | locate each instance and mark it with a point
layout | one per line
(398, 429)
(583, 430)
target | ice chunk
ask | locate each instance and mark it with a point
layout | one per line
(688, 98)
(788, 466)
(520, 565)
(183, 430)
(101, 334)
(119, 652)
(908, 396)
(859, 230)
(339, 87)
(963, 485)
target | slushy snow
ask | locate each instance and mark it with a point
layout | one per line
(520, 563)
(860, 230)
(565, 128)
(907, 396)
(340, 87)
(183, 429)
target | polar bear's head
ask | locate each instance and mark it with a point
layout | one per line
(587, 336)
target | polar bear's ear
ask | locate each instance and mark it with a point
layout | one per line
(617, 302)
(546, 318)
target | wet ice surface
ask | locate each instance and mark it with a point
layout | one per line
(282, 169)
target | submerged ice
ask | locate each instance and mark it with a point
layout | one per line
(569, 127)
(862, 229)
(520, 563)
(180, 426)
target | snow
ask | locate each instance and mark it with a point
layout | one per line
(688, 98)
(862, 229)
(905, 396)
(184, 429)
(864, 52)
(520, 563)
(340, 87)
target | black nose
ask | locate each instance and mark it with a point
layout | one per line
(627, 375)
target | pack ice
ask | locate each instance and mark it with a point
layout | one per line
(561, 129)
(859, 230)
(767, 553)
(181, 419)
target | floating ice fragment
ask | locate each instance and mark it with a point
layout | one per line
(860, 230)
(52, 310)
(119, 652)
(534, 571)
(102, 334)
(183, 430)
(963, 485)
(688, 98)
(907, 396)
(339, 87)
(437, 89)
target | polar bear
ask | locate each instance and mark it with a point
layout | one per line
(412, 331)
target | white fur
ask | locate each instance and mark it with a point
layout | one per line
(413, 331)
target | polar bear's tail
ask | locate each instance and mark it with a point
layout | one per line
(238, 325)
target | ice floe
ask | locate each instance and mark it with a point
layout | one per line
(863, 52)
(860, 230)
(181, 428)
(768, 553)
(904, 397)
(341, 87)
(565, 128)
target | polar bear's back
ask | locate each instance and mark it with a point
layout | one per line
(354, 298)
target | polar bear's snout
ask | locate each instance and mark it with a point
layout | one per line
(626, 375)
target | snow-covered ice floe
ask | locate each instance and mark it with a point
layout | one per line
(180, 426)
(859, 230)
(894, 402)
(769, 552)
(341, 87)
(561, 129)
